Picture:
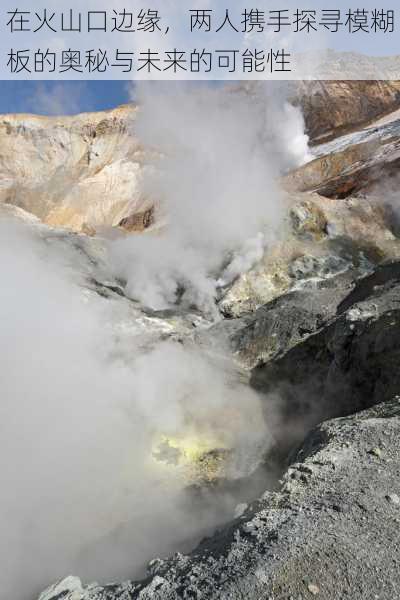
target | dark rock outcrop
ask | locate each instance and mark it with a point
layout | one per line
(138, 221)
(350, 362)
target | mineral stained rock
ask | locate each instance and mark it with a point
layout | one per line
(78, 172)
(355, 163)
(343, 213)
(332, 108)
(324, 238)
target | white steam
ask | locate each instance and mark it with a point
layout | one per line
(294, 137)
(81, 491)
(83, 408)
(220, 153)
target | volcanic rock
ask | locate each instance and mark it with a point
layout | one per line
(333, 108)
(329, 528)
(76, 172)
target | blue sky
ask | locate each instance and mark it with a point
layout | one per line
(69, 97)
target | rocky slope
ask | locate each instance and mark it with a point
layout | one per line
(330, 532)
(332, 108)
(314, 327)
(83, 172)
(349, 165)
(340, 495)
(77, 172)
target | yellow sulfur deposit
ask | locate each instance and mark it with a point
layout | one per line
(201, 459)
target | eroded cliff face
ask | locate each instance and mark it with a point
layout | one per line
(332, 108)
(77, 172)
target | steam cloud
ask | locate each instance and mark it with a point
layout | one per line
(220, 152)
(81, 414)
(81, 491)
